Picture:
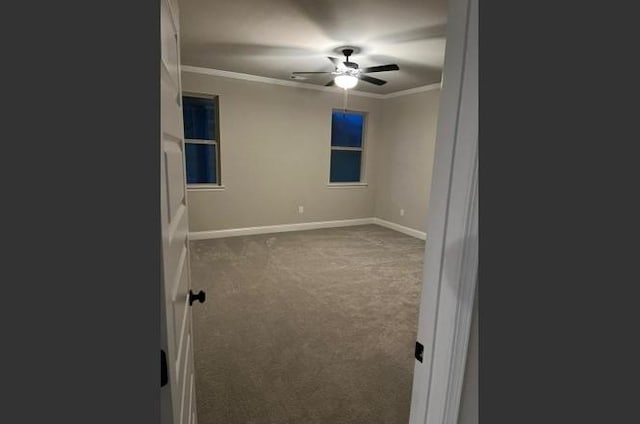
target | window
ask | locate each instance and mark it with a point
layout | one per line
(347, 130)
(202, 148)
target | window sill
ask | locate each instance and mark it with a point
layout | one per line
(205, 187)
(347, 185)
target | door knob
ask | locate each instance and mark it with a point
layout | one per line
(200, 296)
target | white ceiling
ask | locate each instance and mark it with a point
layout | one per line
(272, 38)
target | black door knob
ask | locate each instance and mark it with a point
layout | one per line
(201, 297)
(164, 373)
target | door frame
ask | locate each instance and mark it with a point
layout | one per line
(451, 253)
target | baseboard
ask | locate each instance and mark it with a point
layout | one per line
(203, 235)
(400, 228)
(248, 231)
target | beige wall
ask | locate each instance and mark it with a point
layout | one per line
(275, 152)
(405, 158)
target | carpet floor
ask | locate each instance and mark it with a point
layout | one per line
(306, 327)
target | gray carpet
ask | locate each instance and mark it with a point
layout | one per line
(306, 327)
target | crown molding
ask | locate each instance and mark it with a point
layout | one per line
(266, 80)
(435, 86)
(256, 78)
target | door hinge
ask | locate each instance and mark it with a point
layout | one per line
(164, 373)
(419, 351)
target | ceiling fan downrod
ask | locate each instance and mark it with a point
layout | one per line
(347, 53)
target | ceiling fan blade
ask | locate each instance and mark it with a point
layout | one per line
(372, 80)
(309, 73)
(330, 83)
(336, 62)
(381, 68)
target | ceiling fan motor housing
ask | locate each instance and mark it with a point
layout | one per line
(351, 69)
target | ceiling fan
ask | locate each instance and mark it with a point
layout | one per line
(348, 73)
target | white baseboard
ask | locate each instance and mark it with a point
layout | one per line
(401, 228)
(248, 231)
(202, 235)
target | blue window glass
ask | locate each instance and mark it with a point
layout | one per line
(346, 146)
(201, 163)
(346, 129)
(345, 166)
(199, 116)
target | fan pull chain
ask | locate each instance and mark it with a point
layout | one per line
(345, 101)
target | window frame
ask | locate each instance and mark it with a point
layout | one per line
(363, 149)
(215, 142)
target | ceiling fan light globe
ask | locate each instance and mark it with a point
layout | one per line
(346, 81)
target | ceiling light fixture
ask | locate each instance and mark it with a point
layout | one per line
(346, 81)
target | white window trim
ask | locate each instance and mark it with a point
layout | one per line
(348, 185)
(205, 187)
(362, 183)
(357, 149)
(208, 186)
(198, 141)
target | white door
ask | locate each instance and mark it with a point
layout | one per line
(178, 393)
(451, 253)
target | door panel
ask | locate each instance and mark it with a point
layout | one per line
(169, 99)
(179, 229)
(175, 171)
(179, 406)
(183, 351)
(185, 400)
(169, 33)
(180, 302)
(173, 5)
(192, 389)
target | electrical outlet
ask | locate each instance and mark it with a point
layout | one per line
(401, 212)
(300, 210)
